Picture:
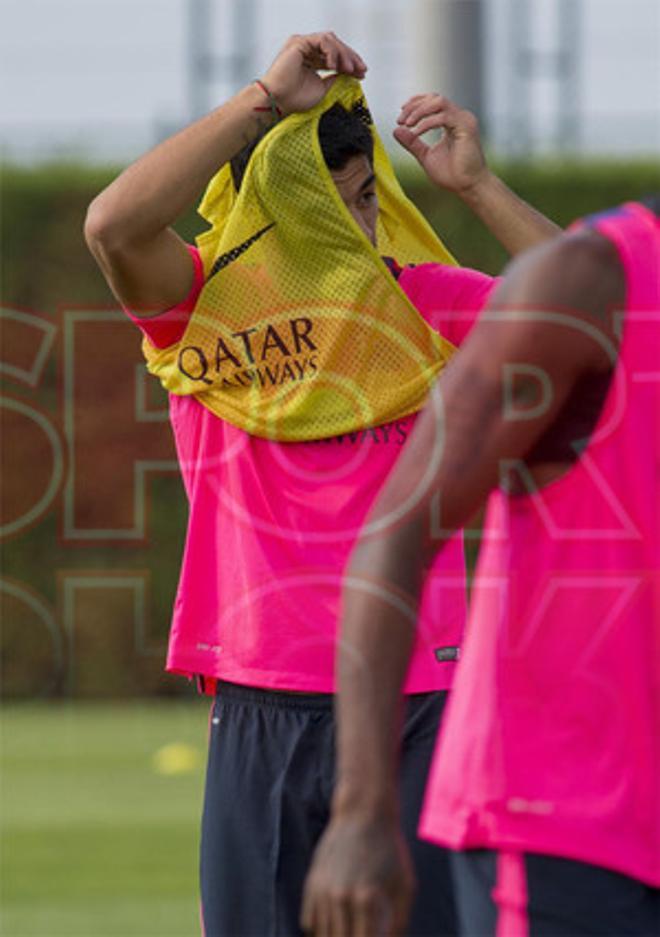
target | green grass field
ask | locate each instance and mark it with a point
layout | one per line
(96, 842)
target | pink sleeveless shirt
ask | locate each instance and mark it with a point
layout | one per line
(552, 738)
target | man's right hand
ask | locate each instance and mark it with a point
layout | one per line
(360, 883)
(292, 79)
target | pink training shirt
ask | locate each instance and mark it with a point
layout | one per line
(271, 526)
(551, 743)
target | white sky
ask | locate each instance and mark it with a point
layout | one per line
(102, 74)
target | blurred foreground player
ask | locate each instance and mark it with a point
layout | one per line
(546, 779)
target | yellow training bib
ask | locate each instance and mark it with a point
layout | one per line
(301, 331)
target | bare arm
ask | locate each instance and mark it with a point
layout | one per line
(127, 229)
(457, 163)
(472, 401)
(516, 224)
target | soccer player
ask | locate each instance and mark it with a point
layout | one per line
(547, 776)
(271, 524)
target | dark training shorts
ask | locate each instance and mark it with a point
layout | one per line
(516, 894)
(267, 801)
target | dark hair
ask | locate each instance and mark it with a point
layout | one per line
(342, 135)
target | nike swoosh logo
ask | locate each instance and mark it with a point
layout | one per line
(225, 259)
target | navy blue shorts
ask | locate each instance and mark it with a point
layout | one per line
(545, 896)
(268, 788)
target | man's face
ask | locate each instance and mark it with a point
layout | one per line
(356, 184)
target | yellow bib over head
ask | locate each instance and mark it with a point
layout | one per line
(301, 331)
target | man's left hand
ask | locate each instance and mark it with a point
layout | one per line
(456, 162)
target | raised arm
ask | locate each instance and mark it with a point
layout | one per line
(127, 229)
(456, 162)
(360, 882)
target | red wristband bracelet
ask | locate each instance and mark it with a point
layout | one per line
(273, 107)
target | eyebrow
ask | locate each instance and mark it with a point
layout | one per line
(368, 182)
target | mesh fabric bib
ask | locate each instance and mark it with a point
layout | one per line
(300, 331)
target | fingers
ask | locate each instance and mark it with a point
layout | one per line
(321, 914)
(369, 915)
(434, 122)
(409, 104)
(322, 926)
(326, 916)
(361, 913)
(423, 107)
(326, 51)
(340, 917)
(411, 142)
